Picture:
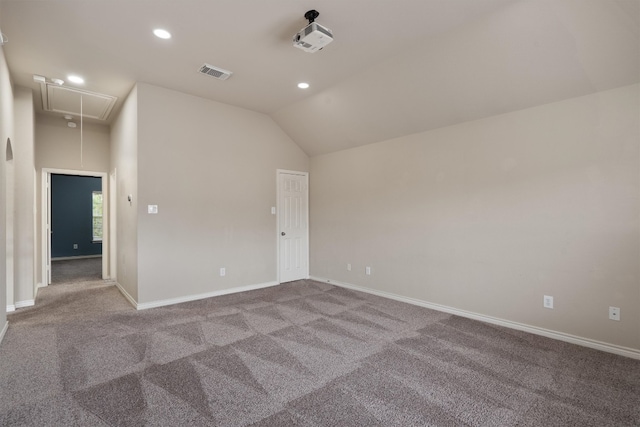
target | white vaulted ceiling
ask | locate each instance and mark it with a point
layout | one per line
(396, 67)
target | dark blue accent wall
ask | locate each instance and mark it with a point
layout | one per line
(72, 215)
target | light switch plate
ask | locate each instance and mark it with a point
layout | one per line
(152, 209)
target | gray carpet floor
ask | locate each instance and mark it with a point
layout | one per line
(298, 354)
(76, 270)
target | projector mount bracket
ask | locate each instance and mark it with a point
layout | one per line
(312, 15)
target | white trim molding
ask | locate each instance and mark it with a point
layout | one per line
(45, 203)
(561, 336)
(178, 300)
(67, 258)
(4, 331)
(126, 294)
(25, 303)
(20, 304)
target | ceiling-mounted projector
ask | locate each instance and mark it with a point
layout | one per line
(314, 36)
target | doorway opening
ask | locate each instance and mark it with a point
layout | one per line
(75, 246)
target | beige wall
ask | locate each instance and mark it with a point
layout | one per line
(488, 216)
(124, 167)
(57, 146)
(211, 169)
(23, 197)
(6, 131)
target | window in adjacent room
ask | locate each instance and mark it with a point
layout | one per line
(97, 216)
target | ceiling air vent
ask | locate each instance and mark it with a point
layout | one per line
(216, 72)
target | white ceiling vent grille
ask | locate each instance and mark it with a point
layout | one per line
(216, 72)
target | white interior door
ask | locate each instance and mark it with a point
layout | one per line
(293, 226)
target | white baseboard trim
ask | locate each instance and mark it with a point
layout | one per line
(4, 331)
(25, 303)
(178, 300)
(561, 336)
(66, 258)
(20, 304)
(125, 294)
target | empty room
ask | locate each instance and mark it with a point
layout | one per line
(335, 213)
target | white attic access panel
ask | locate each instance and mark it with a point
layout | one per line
(68, 100)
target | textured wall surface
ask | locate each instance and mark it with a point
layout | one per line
(488, 216)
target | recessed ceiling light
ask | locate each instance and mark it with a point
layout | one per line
(303, 85)
(75, 79)
(163, 34)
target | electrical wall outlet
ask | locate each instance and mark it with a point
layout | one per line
(75, 246)
(223, 272)
(367, 271)
(348, 267)
(547, 302)
(614, 313)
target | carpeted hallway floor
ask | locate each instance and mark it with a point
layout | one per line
(76, 270)
(303, 353)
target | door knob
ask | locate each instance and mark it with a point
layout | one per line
(283, 233)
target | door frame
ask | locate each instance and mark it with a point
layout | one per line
(46, 219)
(279, 172)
